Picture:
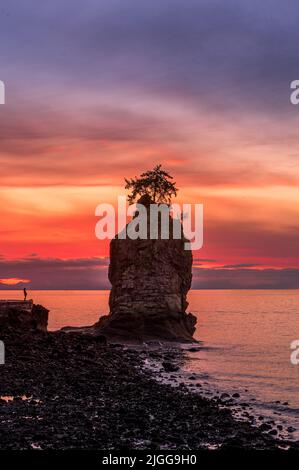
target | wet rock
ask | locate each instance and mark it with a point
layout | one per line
(170, 367)
(224, 396)
(265, 427)
(101, 339)
(230, 402)
(85, 395)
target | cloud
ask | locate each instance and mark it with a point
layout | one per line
(54, 273)
(14, 281)
(199, 81)
(92, 273)
(120, 85)
(240, 265)
(247, 50)
(245, 278)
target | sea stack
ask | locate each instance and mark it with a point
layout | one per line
(150, 280)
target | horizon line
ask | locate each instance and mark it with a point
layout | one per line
(199, 289)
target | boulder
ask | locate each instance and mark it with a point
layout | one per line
(23, 314)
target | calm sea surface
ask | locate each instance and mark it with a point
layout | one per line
(246, 337)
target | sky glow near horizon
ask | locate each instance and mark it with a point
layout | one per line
(100, 92)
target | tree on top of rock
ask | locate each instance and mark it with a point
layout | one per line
(155, 184)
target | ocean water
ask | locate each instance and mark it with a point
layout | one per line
(245, 335)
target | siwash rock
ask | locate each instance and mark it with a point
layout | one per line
(150, 281)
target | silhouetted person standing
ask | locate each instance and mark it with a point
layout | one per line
(25, 293)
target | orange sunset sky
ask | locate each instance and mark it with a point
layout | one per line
(110, 91)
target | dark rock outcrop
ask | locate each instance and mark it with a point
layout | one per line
(150, 281)
(25, 315)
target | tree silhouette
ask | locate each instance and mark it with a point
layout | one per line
(153, 183)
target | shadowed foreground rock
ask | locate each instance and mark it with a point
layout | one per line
(23, 314)
(71, 391)
(150, 281)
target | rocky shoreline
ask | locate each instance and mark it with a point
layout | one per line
(72, 391)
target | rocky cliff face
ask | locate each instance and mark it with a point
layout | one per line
(150, 281)
(24, 315)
